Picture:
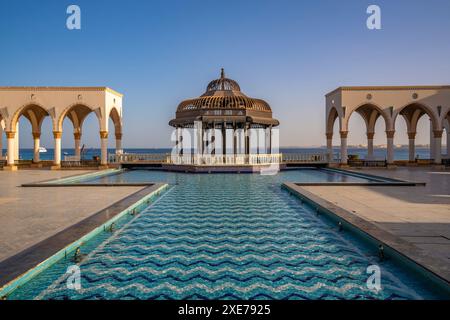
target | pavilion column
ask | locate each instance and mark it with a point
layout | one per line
(10, 137)
(77, 142)
(104, 148)
(177, 141)
(370, 136)
(224, 139)
(267, 139)
(412, 146)
(119, 149)
(213, 139)
(37, 140)
(57, 151)
(344, 154)
(234, 139)
(437, 134)
(181, 142)
(390, 146)
(257, 140)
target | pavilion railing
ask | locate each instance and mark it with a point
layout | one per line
(305, 158)
(138, 157)
(219, 159)
(238, 159)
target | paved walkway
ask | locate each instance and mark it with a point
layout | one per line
(419, 215)
(30, 215)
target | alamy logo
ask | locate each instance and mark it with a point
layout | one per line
(374, 280)
(74, 280)
(374, 20)
(73, 21)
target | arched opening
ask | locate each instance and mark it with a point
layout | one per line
(115, 121)
(35, 114)
(76, 119)
(373, 124)
(332, 127)
(417, 126)
(446, 136)
(2, 141)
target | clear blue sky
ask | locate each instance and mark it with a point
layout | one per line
(157, 53)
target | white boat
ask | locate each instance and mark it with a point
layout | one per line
(42, 150)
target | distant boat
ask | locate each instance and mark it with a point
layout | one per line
(42, 150)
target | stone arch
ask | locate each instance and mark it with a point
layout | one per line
(76, 113)
(34, 112)
(333, 114)
(116, 119)
(370, 113)
(413, 111)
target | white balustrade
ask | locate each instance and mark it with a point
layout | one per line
(219, 159)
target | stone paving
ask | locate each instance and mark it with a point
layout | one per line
(30, 215)
(419, 215)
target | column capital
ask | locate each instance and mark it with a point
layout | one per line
(438, 133)
(10, 134)
(370, 135)
(329, 135)
(390, 134)
(57, 134)
(103, 134)
(77, 135)
(411, 135)
(36, 135)
(343, 134)
(118, 136)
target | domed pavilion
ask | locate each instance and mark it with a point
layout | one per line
(226, 111)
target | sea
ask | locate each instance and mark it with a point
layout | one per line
(401, 153)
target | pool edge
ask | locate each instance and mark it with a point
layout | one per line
(434, 267)
(128, 204)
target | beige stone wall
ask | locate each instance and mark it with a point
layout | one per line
(75, 103)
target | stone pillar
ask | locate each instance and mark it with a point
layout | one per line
(10, 137)
(390, 146)
(119, 149)
(1, 141)
(77, 140)
(370, 145)
(37, 140)
(104, 148)
(57, 155)
(437, 134)
(432, 148)
(412, 146)
(329, 136)
(16, 143)
(448, 144)
(344, 154)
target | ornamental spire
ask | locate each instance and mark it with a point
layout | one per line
(222, 73)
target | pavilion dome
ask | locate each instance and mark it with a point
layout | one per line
(223, 101)
(223, 93)
(223, 84)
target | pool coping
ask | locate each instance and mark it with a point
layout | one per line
(80, 176)
(435, 266)
(20, 268)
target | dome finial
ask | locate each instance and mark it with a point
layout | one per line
(222, 73)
